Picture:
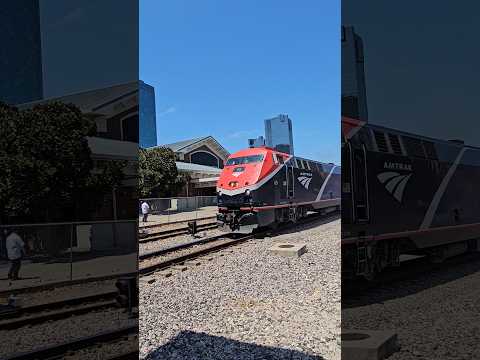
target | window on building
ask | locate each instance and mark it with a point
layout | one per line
(204, 158)
(130, 128)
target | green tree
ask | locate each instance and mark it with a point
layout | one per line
(158, 173)
(46, 163)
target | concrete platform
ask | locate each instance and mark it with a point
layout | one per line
(289, 249)
(368, 344)
(208, 211)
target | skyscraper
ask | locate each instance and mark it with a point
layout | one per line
(20, 52)
(278, 133)
(258, 142)
(148, 120)
(354, 95)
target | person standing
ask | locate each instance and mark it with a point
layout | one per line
(145, 211)
(15, 252)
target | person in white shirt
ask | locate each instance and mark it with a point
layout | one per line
(15, 252)
(145, 211)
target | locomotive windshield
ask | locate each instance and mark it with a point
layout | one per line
(244, 160)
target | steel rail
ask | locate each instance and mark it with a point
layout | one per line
(55, 315)
(182, 246)
(143, 238)
(54, 351)
(176, 222)
(193, 255)
(182, 258)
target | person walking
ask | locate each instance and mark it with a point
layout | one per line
(145, 211)
(15, 252)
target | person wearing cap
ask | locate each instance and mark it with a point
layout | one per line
(15, 252)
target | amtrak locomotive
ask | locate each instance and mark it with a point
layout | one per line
(405, 194)
(262, 187)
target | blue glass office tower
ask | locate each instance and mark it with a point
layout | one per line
(278, 133)
(354, 93)
(20, 52)
(148, 122)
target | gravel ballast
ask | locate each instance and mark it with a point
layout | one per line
(435, 315)
(29, 338)
(249, 303)
(161, 244)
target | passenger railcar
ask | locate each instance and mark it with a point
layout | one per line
(405, 194)
(261, 187)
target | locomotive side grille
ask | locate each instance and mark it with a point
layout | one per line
(381, 141)
(395, 143)
(414, 147)
(430, 150)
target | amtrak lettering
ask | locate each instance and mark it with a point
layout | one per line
(397, 166)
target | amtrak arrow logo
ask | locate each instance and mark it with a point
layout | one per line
(305, 181)
(394, 183)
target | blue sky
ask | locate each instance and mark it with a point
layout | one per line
(221, 67)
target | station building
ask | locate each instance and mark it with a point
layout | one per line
(115, 110)
(202, 160)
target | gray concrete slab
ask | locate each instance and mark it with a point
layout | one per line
(368, 344)
(208, 211)
(289, 249)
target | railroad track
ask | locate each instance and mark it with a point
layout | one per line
(13, 318)
(210, 245)
(401, 280)
(158, 235)
(157, 225)
(60, 351)
(219, 242)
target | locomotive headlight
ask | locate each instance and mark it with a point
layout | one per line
(247, 192)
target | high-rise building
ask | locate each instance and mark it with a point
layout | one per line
(354, 95)
(258, 142)
(278, 133)
(148, 122)
(20, 52)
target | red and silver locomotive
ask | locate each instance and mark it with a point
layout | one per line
(261, 187)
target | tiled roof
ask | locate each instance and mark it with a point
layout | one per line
(179, 145)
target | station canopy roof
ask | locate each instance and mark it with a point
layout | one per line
(186, 146)
(189, 167)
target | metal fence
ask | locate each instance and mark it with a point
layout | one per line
(178, 209)
(70, 251)
(161, 206)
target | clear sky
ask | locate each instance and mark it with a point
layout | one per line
(81, 52)
(421, 66)
(221, 67)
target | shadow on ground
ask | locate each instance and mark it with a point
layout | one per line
(410, 278)
(290, 228)
(189, 345)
